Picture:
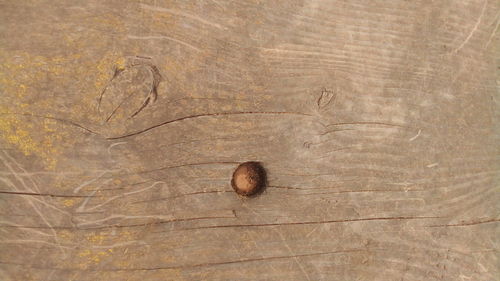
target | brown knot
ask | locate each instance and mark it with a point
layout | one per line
(249, 178)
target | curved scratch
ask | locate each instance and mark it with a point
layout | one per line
(163, 37)
(207, 115)
(474, 29)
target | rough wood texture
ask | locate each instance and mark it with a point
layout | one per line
(122, 123)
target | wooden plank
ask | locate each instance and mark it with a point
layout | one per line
(122, 122)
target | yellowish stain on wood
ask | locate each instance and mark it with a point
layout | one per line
(69, 202)
(92, 257)
(96, 238)
(21, 76)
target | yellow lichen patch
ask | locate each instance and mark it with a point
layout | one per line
(95, 239)
(26, 77)
(18, 131)
(69, 202)
(97, 246)
(20, 76)
(64, 82)
(92, 257)
(65, 235)
(84, 253)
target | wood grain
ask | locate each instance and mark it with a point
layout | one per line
(376, 121)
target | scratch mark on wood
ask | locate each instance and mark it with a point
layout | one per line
(163, 37)
(343, 191)
(81, 208)
(147, 223)
(432, 165)
(416, 136)
(64, 121)
(115, 144)
(29, 198)
(366, 123)
(182, 195)
(179, 13)
(8, 182)
(186, 165)
(23, 241)
(494, 31)
(40, 194)
(123, 195)
(327, 154)
(82, 185)
(474, 29)
(14, 225)
(295, 256)
(151, 223)
(335, 130)
(466, 223)
(209, 115)
(317, 222)
(200, 264)
(116, 245)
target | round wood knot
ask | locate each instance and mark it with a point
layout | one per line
(249, 178)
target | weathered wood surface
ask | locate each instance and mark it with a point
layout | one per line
(377, 122)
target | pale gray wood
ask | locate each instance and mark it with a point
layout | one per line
(377, 122)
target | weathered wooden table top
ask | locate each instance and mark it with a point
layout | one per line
(121, 123)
